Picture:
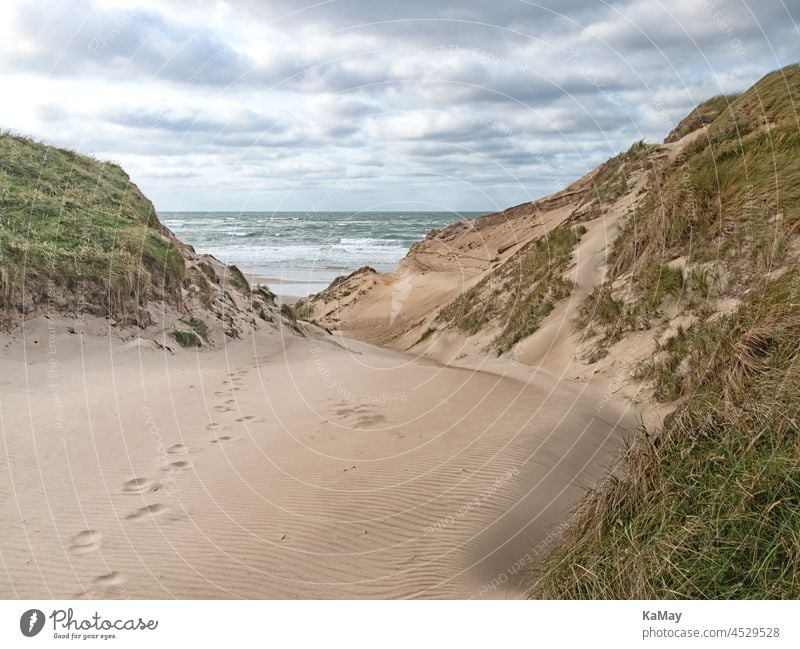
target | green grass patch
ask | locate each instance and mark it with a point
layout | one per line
(73, 223)
(237, 279)
(198, 326)
(186, 338)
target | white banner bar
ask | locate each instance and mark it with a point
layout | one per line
(385, 625)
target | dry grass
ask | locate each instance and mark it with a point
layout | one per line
(707, 508)
(730, 202)
(519, 294)
(735, 194)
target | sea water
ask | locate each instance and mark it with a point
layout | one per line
(298, 253)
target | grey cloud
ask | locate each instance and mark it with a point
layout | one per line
(195, 120)
(510, 89)
(81, 39)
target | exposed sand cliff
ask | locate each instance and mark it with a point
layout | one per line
(455, 295)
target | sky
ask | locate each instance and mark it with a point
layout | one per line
(372, 105)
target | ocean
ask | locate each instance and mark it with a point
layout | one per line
(298, 253)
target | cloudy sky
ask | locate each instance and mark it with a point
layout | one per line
(372, 104)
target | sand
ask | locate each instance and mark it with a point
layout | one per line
(282, 467)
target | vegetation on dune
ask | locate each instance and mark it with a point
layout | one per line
(303, 311)
(708, 506)
(237, 279)
(76, 235)
(73, 224)
(734, 195)
(425, 335)
(291, 316)
(727, 208)
(521, 293)
(468, 312)
(536, 283)
(609, 317)
(613, 178)
(187, 338)
(701, 116)
(198, 326)
(736, 200)
(198, 279)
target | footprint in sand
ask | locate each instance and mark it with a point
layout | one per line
(370, 420)
(149, 511)
(252, 419)
(177, 449)
(219, 393)
(139, 486)
(112, 579)
(346, 409)
(86, 542)
(181, 464)
(222, 439)
(222, 408)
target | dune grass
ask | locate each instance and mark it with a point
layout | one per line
(734, 195)
(521, 293)
(73, 224)
(187, 338)
(708, 507)
(469, 312)
(703, 115)
(612, 180)
(730, 201)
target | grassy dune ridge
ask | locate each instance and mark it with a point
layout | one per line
(77, 236)
(708, 507)
(74, 225)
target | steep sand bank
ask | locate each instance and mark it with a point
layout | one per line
(316, 467)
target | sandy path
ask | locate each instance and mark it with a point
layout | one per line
(315, 469)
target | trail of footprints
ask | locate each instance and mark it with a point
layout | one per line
(90, 540)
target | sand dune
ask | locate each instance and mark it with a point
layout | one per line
(316, 467)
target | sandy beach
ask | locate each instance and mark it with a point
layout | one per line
(280, 467)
